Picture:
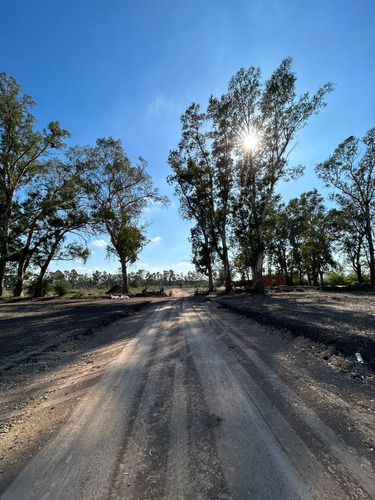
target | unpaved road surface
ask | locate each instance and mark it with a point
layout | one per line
(185, 400)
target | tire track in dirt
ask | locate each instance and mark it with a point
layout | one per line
(168, 451)
(178, 464)
(140, 456)
(251, 422)
(353, 471)
(78, 463)
(140, 432)
(35, 403)
(188, 410)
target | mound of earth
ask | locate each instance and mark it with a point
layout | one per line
(30, 326)
(343, 322)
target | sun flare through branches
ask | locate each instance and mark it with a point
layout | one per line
(250, 141)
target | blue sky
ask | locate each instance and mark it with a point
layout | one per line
(130, 69)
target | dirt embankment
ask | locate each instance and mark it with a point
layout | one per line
(341, 323)
(29, 327)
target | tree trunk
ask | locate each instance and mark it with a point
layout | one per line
(359, 272)
(208, 255)
(321, 279)
(125, 282)
(210, 273)
(18, 288)
(23, 264)
(2, 277)
(289, 277)
(372, 258)
(38, 289)
(309, 278)
(227, 275)
(368, 235)
(4, 247)
(3, 262)
(210, 281)
(258, 285)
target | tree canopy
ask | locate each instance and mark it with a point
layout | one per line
(117, 192)
(23, 154)
(49, 194)
(350, 172)
(232, 157)
(225, 170)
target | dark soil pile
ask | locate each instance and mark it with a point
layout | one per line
(344, 322)
(29, 325)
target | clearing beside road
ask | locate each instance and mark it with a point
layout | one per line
(342, 323)
(188, 397)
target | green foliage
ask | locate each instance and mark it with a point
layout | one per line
(225, 187)
(350, 172)
(335, 278)
(272, 113)
(127, 241)
(118, 193)
(353, 278)
(137, 280)
(85, 283)
(301, 236)
(203, 179)
(45, 289)
(62, 288)
(23, 160)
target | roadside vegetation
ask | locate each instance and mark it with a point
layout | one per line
(53, 198)
(225, 171)
(226, 168)
(76, 285)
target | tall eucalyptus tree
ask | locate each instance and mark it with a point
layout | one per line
(23, 151)
(240, 149)
(203, 178)
(118, 192)
(351, 173)
(53, 208)
(266, 117)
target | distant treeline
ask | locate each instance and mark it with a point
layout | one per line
(104, 280)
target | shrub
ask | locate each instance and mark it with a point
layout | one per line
(62, 288)
(352, 277)
(46, 287)
(334, 278)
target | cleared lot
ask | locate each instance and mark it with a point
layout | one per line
(183, 398)
(342, 323)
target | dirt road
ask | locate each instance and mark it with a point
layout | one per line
(196, 403)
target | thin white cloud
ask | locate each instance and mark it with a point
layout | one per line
(163, 105)
(156, 239)
(99, 243)
(157, 105)
(154, 270)
(184, 264)
(90, 270)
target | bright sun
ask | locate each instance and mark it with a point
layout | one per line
(250, 141)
